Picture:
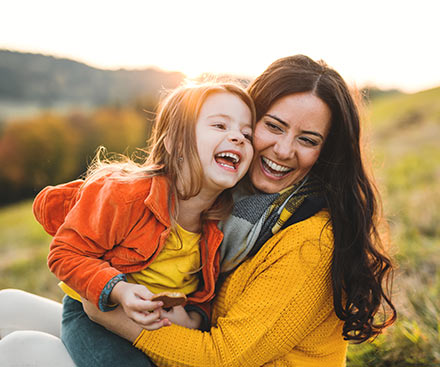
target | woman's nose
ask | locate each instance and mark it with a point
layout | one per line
(284, 148)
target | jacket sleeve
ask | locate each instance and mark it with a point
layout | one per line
(52, 204)
(289, 295)
(94, 225)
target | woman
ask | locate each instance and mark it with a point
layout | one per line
(302, 294)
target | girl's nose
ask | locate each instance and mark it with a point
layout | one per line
(236, 137)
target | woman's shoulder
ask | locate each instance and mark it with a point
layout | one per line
(306, 245)
(313, 234)
(317, 227)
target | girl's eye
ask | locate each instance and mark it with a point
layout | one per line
(219, 125)
(248, 136)
(309, 141)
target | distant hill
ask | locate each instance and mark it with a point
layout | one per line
(47, 81)
(395, 115)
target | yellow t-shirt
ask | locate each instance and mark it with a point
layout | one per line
(175, 269)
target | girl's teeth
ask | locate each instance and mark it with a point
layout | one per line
(227, 166)
(234, 157)
(276, 167)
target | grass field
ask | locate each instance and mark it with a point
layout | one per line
(23, 250)
(404, 135)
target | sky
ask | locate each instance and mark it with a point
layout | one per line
(386, 43)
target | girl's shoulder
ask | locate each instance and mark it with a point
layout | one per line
(123, 189)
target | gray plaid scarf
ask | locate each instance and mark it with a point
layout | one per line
(257, 217)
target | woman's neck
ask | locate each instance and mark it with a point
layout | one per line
(190, 210)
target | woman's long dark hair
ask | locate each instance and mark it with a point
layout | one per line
(361, 271)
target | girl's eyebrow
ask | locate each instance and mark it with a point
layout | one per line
(224, 115)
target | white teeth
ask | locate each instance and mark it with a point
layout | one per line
(227, 166)
(276, 167)
(234, 157)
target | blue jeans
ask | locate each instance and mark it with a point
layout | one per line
(90, 344)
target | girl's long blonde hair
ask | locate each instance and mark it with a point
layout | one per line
(173, 141)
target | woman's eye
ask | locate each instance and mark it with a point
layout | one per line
(273, 127)
(309, 141)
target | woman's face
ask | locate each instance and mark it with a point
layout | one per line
(288, 140)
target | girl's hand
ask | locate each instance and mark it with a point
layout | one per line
(178, 315)
(135, 301)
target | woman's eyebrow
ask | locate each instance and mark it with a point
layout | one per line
(278, 119)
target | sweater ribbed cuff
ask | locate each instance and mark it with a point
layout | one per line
(105, 294)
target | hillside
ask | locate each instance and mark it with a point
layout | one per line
(405, 130)
(39, 81)
(404, 134)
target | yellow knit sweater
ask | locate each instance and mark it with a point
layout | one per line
(276, 309)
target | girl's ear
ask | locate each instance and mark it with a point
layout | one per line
(167, 143)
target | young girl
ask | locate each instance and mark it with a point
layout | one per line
(130, 230)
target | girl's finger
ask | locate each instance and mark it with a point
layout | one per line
(147, 306)
(146, 318)
(157, 325)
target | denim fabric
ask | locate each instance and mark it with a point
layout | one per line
(90, 344)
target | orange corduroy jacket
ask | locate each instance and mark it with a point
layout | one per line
(111, 226)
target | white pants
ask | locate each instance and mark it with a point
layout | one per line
(30, 331)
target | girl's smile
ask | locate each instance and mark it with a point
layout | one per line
(224, 140)
(228, 160)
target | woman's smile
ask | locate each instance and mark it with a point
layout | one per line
(274, 169)
(288, 140)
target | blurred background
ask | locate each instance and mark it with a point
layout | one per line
(76, 75)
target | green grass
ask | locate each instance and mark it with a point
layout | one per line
(405, 135)
(405, 109)
(24, 246)
(406, 132)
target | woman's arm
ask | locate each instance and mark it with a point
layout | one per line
(287, 296)
(116, 321)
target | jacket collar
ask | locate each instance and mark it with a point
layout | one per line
(157, 199)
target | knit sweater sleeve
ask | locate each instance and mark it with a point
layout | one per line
(287, 294)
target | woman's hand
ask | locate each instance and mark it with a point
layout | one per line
(118, 322)
(178, 315)
(135, 300)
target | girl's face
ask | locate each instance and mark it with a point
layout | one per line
(224, 140)
(288, 140)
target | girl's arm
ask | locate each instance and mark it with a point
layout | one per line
(97, 223)
(289, 296)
